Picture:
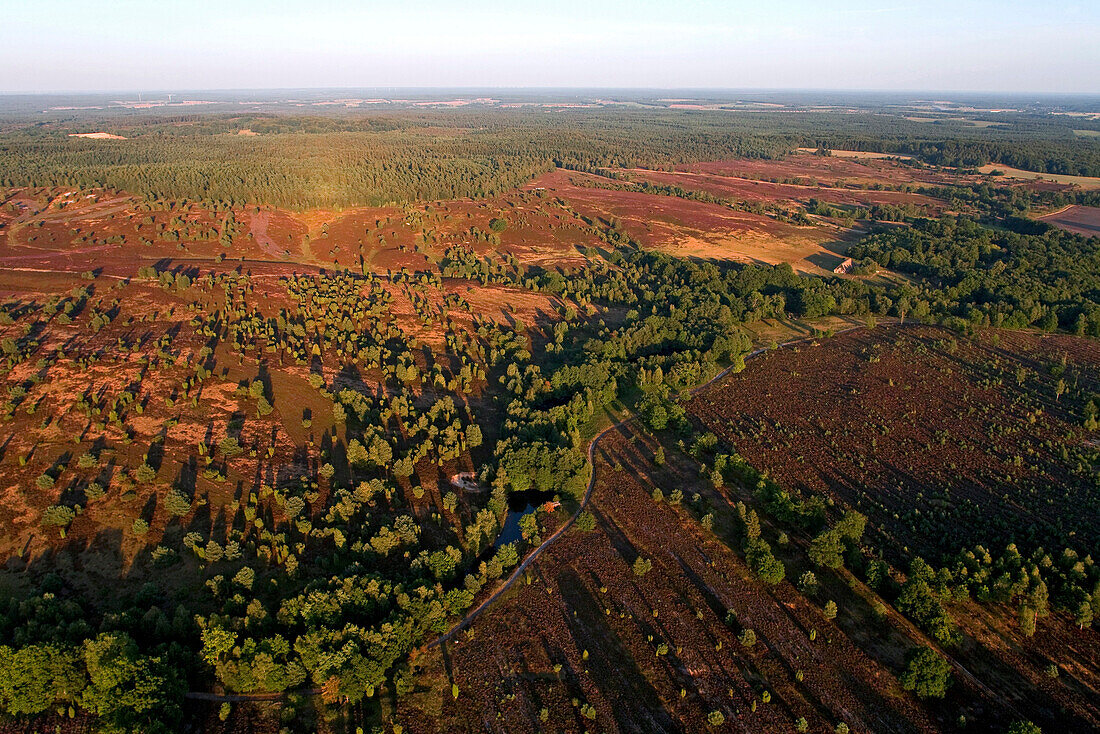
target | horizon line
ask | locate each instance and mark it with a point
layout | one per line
(547, 88)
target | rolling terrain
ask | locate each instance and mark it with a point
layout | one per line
(696, 432)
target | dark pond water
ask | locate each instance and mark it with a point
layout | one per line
(520, 504)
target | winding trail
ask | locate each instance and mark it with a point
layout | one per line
(473, 613)
(916, 633)
(534, 554)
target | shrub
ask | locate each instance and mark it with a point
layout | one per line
(245, 577)
(145, 473)
(586, 522)
(294, 507)
(177, 503)
(60, 515)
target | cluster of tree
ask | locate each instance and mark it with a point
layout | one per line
(1045, 151)
(978, 275)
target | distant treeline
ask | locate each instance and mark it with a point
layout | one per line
(1069, 157)
(308, 161)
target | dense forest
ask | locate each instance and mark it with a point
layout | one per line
(368, 159)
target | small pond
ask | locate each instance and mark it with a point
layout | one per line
(520, 504)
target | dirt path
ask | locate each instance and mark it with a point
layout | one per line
(1056, 212)
(471, 615)
(54, 254)
(259, 223)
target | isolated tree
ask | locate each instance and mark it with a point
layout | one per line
(177, 503)
(1083, 615)
(1026, 616)
(827, 549)
(586, 522)
(927, 674)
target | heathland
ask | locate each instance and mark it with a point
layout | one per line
(647, 417)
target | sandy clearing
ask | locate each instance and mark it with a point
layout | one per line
(258, 226)
(1085, 182)
(864, 154)
(97, 136)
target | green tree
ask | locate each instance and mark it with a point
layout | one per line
(37, 678)
(177, 503)
(126, 690)
(586, 522)
(473, 435)
(927, 674)
(827, 549)
(145, 473)
(1083, 615)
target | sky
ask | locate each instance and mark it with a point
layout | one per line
(958, 45)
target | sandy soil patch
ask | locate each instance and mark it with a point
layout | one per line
(1007, 172)
(862, 154)
(97, 136)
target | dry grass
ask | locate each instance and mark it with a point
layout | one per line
(1007, 172)
(862, 154)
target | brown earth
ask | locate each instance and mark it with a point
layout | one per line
(922, 431)
(1082, 220)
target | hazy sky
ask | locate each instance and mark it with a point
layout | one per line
(988, 45)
